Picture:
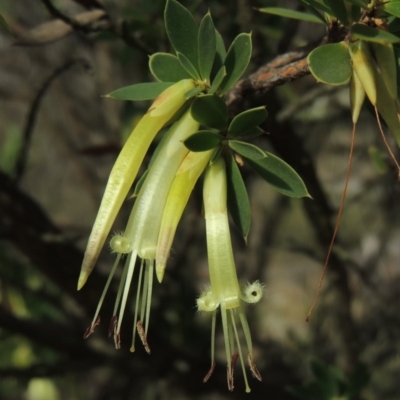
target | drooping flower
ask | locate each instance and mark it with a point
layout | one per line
(186, 177)
(141, 234)
(126, 167)
(225, 292)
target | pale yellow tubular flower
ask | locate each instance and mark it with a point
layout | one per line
(225, 291)
(141, 234)
(186, 177)
(126, 167)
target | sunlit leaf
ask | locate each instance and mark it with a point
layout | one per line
(331, 63)
(362, 31)
(167, 68)
(289, 13)
(238, 199)
(280, 175)
(207, 46)
(181, 30)
(203, 141)
(237, 60)
(140, 91)
(210, 111)
(247, 120)
(247, 150)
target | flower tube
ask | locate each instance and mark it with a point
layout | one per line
(225, 292)
(141, 234)
(186, 177)
(126, 167)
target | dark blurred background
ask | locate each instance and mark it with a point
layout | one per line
(58, 140)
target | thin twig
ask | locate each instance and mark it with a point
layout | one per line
(33, 112)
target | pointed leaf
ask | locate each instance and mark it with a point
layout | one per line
(220, 55)
(362, 31)
(167, 68)
(188, 66)
(140, 91)
(247, 120)
(247, 150)
(252, 133)
(210, 111)
(203, 141)
(217, 80)
(314, 11)
(331, 64)
(207, 46)
(181, 30)
(237, 60)
(339, 9)
(280, 175)
(238, 200)
(288, 13)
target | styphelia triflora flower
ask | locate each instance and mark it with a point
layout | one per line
(141, 234)
(126, 167)
(225, 292)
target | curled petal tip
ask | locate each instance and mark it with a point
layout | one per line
(82, 279)
(160, 270)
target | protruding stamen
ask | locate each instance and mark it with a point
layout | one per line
(253, 368)
(246, 329)
(142, 336)
(121, 285)
(113, 324)
(210, 372)
(248, 390)
(137, 305)
(229, 378)
(91, 328)
(150, 268)
(128, 281)
(117, 339)
(225, 329)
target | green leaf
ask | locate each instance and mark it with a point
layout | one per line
(339, 9)
(4, 26)
(247, 121)
(207, 46)
(362, 31)
(210, 111)
(360, 3)
(203, 141)
(217, 80)
(220, 55)
(167, 68)
(237, 60)
(252, 133)
(238, 200)
(288, 13)
(188, 66)
(392, 7)
(193, 92)
(317, 5)
(181, 30)
(314, 11)
(331, 63)
(280, 175)
(247, 150)
(140, 91)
